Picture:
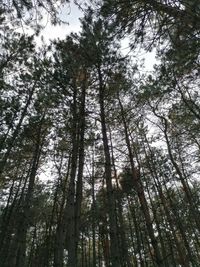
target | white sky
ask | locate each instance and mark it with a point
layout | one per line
(70, 14)
(139, 54)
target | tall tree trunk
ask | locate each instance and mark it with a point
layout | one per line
(140, 192)
(81, 157)
(20, 256)
(93, 210)
(59, 235)
(68, 227)
(108, 176)
(124, 255)
(171, 220)
(181, 175)
(69, 212)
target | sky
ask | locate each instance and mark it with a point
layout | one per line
(70, 14)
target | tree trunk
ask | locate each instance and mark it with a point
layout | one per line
(16, 131)
(141, 195)
(23, 227)
(108, 176)
(81, 157)
(124, 255)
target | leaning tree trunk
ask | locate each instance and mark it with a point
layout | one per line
(141, 194)
(182, 177)
(17, 130)
(20, 255)
(172, 221)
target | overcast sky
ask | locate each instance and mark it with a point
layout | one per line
(69, 14)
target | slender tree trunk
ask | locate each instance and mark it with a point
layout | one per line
(59, 235)
(137, 230)
(108, 176)
(10, 126)
(183, 179)
(124, 256)
(141, 195)
(8, 241)
(81, 157)
(69, 212)
(172, 221)
(23, 227)
(74, 199)
(93, 211)
(16, 131)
